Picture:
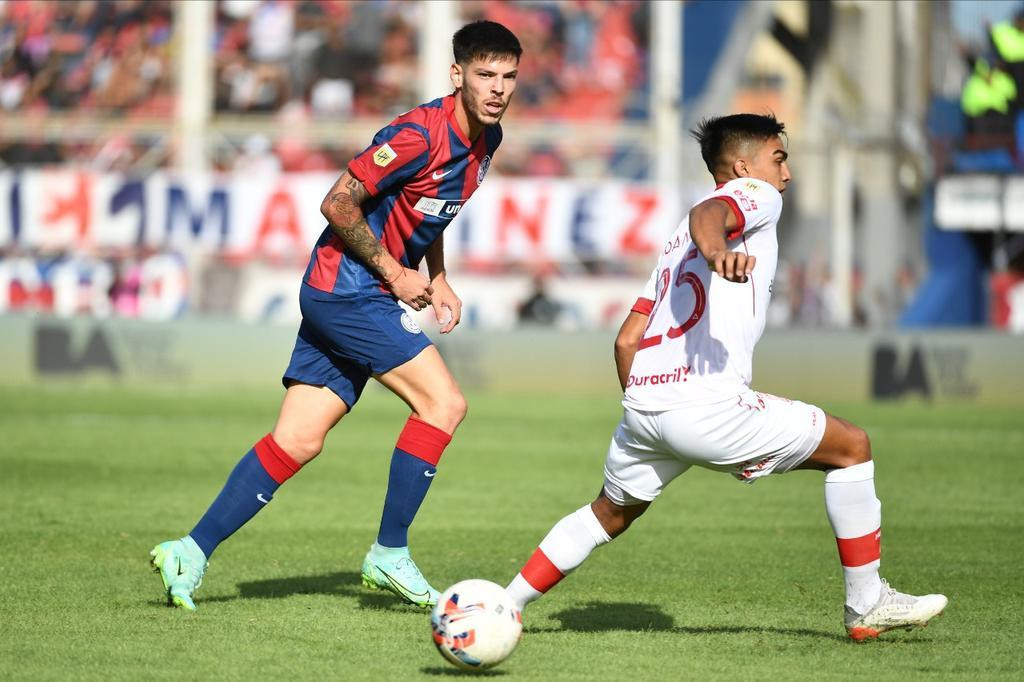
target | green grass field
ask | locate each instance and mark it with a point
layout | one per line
(719, 580)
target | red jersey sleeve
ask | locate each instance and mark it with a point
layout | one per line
(741, 220)
(645, 303)
(398, 152)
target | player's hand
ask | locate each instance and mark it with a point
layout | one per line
(447, 306)
(732, 265)
(411, 288)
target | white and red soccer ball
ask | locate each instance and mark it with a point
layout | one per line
(476, 624)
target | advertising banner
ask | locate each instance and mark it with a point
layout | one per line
(165, 245)
(978, 367)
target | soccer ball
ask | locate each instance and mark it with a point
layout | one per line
(476, 624)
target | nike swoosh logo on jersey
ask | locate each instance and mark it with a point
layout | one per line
(436, 176)
(429, 474)
(259, 496)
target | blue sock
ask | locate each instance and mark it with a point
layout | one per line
(408, 483)
(248, 489)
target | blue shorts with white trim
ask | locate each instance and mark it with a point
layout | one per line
(343, 340)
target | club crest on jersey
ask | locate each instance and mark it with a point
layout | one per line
(485, 164)
(410, 324)
(385, 155)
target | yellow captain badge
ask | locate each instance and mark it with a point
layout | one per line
(385, 155)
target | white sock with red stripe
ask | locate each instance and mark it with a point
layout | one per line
(566, 546)
(856, 517)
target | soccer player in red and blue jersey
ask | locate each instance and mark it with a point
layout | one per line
(385, 214)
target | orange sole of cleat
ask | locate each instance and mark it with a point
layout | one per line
(861, 634)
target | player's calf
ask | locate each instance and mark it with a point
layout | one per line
(616, 518)
(566, 546)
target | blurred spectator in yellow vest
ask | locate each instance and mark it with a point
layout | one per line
(1008, 42)
(989, 100)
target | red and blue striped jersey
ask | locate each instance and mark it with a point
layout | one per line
(419, 171)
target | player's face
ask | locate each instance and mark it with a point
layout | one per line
(769, 163)
(486, 87)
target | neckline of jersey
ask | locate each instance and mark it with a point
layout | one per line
(449, 109)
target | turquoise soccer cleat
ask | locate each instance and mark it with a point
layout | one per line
(392, 569)
(181, 565)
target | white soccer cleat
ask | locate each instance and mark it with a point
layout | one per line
(893, 611)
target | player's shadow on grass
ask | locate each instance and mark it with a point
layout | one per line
(612, 616)
(342, 583)
(608, 616)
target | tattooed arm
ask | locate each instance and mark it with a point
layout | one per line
(343, 209)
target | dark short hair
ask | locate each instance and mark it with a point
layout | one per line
(720, 134)
(484, 40)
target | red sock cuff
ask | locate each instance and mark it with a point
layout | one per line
(540, 572)
(855, 552)
(278, 463)
(423, 440)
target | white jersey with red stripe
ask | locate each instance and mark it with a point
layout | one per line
(699, 341)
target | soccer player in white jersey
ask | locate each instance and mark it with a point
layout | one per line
(684, 355)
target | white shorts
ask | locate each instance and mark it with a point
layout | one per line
(749, 437)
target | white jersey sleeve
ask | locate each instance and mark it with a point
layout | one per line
(755, 203)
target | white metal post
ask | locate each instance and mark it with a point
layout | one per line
(667, 91)
(440, 21)
(194, 28)
(841, 260)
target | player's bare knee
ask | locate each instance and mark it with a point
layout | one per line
(446, 412)
(858, 446)
(302, 447)
(457, 408)
(862, 449)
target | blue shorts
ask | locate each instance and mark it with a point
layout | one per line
(343, 340)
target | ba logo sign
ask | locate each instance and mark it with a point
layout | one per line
(893, 378)
(57, 354)
(924, 369)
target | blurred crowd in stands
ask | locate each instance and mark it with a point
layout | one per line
(86, 55)
(85, 58)
(581, 60)
(334, 58)
(299, 60)
(315, 59)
